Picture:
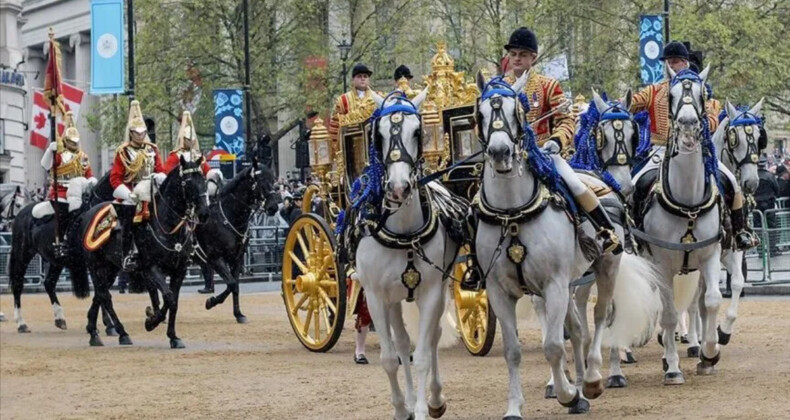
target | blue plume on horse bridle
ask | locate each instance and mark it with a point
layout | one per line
(586, 156)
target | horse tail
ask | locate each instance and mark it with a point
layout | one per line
(685, 287)
(80, 282)
(636, 301)
(448, 322)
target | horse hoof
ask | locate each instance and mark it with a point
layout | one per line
(60, 323)
(616, 381)
(692, 352)
(660, 340)
(95, 341)
(592, 390)
(436, 413)
(512, 418)
(125, 340)
(581, 407)
(704, 369)
(664, 364)
(573, 402)
(629, 358)
(23, 329)
(149, 312)
(176, 343)
(674, 378)
(550, 392)
(150, 324)
(709, 361)
(209, 303)
(724, 338)
(111, 332)
(241, 319)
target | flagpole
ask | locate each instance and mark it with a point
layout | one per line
(53, 133)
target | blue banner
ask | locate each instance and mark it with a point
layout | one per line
(229, 121)
(107, 47)
(651, 44)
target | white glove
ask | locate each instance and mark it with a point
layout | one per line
(124, 193)
(46, 160)
(53, 146)
(551, 147)
(92, 181)
(159, 178)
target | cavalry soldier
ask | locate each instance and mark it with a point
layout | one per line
(187, 146)
(654, 99)
(137, 159)
(358, 97)
(70, 162)
(555, 134)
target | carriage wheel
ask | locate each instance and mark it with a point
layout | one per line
(476, 319)
(314, 284)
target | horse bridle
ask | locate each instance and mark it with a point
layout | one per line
(745, 120)
(397, 152)
(621, 156)
(686, 79)
(498, 121)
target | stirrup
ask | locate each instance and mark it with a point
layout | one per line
(129, 263)
(611, 242)
(746, 240)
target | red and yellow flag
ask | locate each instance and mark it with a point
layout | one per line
(53, 91)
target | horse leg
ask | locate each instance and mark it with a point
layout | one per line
(389, 359)
(734, 266)
(693, 334)
(574, 327)
(16, 273)
(436, 404)
(606, 275)
(123, 336)
(539, 306)
(153, 294)
(669, 321)
(158, 280)
(50, 281)
(240, 318)
(504, 307)
(221, 268)
(109, 326)
(557, 299)
(402, 346)
(93, 312)
(581, 296)
(616, 378)
(710, 352)
(175, 287)
(431, 305)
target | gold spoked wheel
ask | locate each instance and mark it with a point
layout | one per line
(476, 320)
(314, 286)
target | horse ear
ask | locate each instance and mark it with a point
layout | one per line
(757, 107)
(704, 74)
(518, 86)
(481, 81)
(629, 96)
(598, 101)
(731, 111)
(377, 98)
(418, 100)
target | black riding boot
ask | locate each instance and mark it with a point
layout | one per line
(744, 237)
(208, 278)
(125, 223)
(605, 230)
(59, 247)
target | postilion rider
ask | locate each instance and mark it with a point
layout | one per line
(654, 99)
(358, 97)
(555, 134)
(136, 160)
(70, 162)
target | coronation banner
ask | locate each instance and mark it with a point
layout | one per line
(229, 121)
(651, 43)
(107, 46)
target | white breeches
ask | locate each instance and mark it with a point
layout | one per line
(573, 182)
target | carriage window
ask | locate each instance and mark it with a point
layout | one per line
(463, 138)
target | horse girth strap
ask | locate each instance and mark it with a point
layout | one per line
(675, 246)
(523, 214)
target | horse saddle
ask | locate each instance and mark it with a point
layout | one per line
(100, 228)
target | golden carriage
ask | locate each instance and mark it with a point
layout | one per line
(318, 291)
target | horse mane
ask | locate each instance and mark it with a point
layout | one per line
(231, 185)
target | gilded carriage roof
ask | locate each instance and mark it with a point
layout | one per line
(446, 87)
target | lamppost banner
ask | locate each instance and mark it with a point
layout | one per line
(107, 46)
(651, 43)
(229, 121)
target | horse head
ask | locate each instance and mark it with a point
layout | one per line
(498, 123)
(397, 137)
(191, 185)
(616, 139)
(687, 109)
(745, 137)
(263, 186)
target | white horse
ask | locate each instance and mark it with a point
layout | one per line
(526, 242)
(682, 220)
(399, 261)
(738, 145)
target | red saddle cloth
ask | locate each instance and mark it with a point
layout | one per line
(102, 223)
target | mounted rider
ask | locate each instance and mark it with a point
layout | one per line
(654, 99)
(555, 134)
(136, 160)
(188, 147)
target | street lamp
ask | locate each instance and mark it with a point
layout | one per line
(345, 49)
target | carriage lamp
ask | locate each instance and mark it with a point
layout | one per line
(432, 135)
(320, 149)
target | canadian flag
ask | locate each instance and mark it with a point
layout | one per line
(40, 130)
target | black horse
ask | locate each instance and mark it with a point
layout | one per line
(33, 236)
(165, 244)
(223, 237)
